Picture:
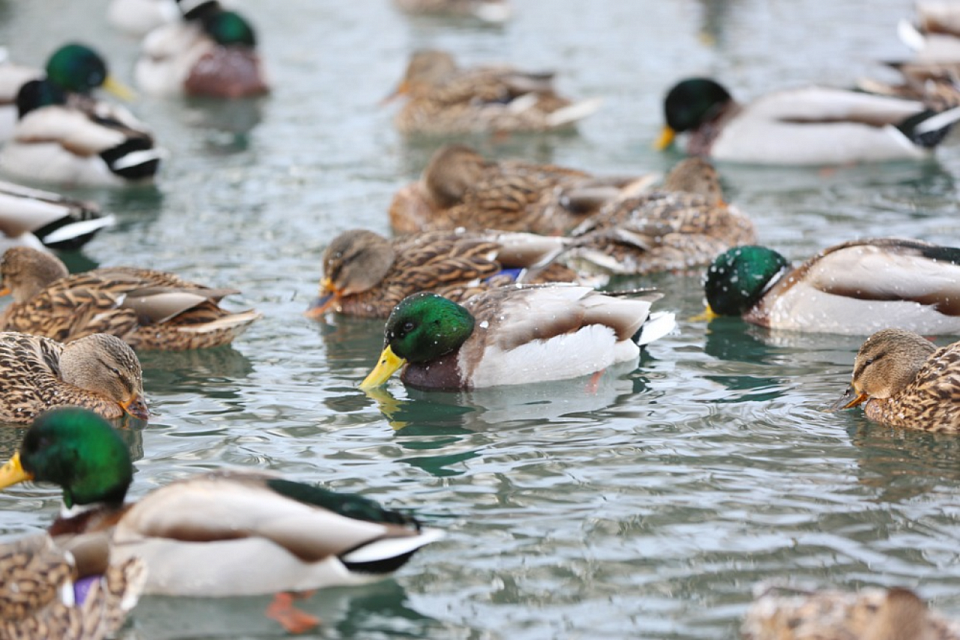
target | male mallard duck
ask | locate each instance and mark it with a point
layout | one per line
(367, 275)
(675, 228)
(804, 126)
(147, 309)
(514, 335)
(43, 595)
(872, 614)
(906, 382)
(854, 288)
(69, 141)
(445, 99)
(210, 52)
(216, 534)
(494, 11)
(461, 188)
(139, 17)
(40, 218)
(99, 371)
(76, 69)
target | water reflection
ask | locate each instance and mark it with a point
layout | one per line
(359, 612)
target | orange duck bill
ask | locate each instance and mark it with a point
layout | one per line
(136, 406)
(328, 300)
(13, 473)
(848, 400)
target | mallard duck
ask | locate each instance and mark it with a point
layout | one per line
(139, 17)
(43, 595)
(216, 534)
(906, 382)
(40, 218)
(514, 335)
(100, 372)
(67, 141)
(804, 126)
(76, 69)
(445, 99)
(494, 11)
(461, 188)
(367, 275)
(210, 52)
(871, 614)
(854, 288)
(675, 228)
(147, 309)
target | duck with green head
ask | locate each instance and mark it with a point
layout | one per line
(854, 288)
(77, 70)
(209, 52)
(222, 533)
(804, 126)
(514, 335)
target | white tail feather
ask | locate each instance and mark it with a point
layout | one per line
(77, 229)
(657, 325)
(574, 112)
(939, 121)
(392, 547)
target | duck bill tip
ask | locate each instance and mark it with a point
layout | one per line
(13, 472)
(850, 398)
(387, 365)
(667, 136)
(136, 407)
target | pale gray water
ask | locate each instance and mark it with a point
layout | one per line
(645, 509)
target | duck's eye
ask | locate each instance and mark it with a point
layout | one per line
(408, 326)
(115, 371)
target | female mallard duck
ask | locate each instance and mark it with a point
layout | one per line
(906, 382)
(35, 218)
(805, 126)
(147, 309)
(69, 141)
(514, 335)
(493, 11)
(444, 99)
(210, 52)
(367, 275)
(461, 188)
(875, 614)
(99, 372)
(216, 534)
(675, 228)
(77, 70)
(47, 593)
(854, 288)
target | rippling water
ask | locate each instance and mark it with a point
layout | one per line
(646, 507)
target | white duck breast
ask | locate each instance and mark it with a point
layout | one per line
(818, 125)
(842, 293)
(169, 53)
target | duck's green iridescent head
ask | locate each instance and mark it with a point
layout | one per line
(693, 102)
(77, 450)
(77, 68)
(229, 28)
(423, 327)
(738, 278)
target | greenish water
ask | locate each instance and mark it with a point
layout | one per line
(647, 507)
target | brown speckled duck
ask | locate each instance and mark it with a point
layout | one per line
(445, 99)
(148, 309)
(682, 225)
(47, 593)
(872, 614)
(492, 11)
(461, 188)
(906, 381)
(99, 372)
(367, 275)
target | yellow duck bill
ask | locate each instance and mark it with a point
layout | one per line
(388, 363)
(13, 473)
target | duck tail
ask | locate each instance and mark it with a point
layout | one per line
(573, 112)
(71, 234)
(134, 159)
(386, 555)
(929, 128)
(657, 325)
